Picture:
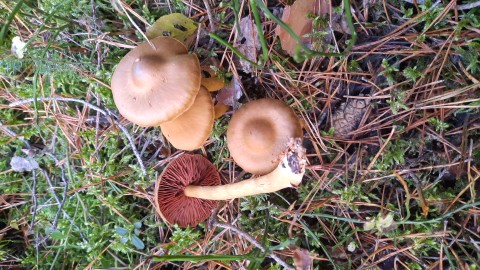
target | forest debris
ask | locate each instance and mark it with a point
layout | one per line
(20, 164)
(175, 25)
(348, 116)
(383, 223)
(18, 47)
(311, 22)
(302, 259)
(248, 43)
(299, 17)
(231, 93)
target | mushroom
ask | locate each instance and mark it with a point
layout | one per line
(190, 130)
(258, 132)
(188, 188)
(155, 85)
(171, 202)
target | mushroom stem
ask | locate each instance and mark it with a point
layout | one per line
(288, 173)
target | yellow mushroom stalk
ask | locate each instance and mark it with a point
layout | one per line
(288, 173)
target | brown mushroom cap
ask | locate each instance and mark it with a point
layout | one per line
(151, 86)
(190, 130)
(171, 202)
(259, 132)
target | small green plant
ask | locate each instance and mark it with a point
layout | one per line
(471, 56)
(392, 155)
(131, 235)
(389, 71)
(412, 73)
(438, 125)
(351, 194)
(397, 101)
(182, 239)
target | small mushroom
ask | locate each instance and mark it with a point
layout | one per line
(170, 200)
(258, 132)
(190, 130)
(188, 188)
(154, 85)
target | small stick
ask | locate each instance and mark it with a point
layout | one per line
(212, 23)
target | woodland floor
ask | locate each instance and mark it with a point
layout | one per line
(399, 189)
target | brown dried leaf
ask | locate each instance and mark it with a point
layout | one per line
(302, 259)
(348, 116)
(248, 42)
(231, 93)
(297, 17)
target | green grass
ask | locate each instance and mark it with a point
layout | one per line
(415, 156)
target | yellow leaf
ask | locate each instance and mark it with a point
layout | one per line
(175, 25)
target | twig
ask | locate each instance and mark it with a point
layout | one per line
(60, 208)
(105, 112)
(136, 26)
(34, 199)
(213, 222)
(212, 23)
(469, 5)
(10, 133)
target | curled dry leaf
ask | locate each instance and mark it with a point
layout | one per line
(298, 17)
(175, 25)
(248, 42)
(231, 93)
(302, 259)
(348, 116)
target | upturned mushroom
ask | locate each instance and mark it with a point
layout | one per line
(170, 200)
(258, 132)
(155, 85)
(186, 191)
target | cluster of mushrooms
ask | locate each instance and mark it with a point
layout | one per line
(160, 85)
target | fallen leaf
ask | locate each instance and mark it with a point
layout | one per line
(18, 47)
(300, 18)
(20, 164)
(302, 259)
(231, 93)
(248, 43)
(381, 223)
(175, 25)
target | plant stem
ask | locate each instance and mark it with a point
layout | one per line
(261, 36)
(9, 20)
(233, 49)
